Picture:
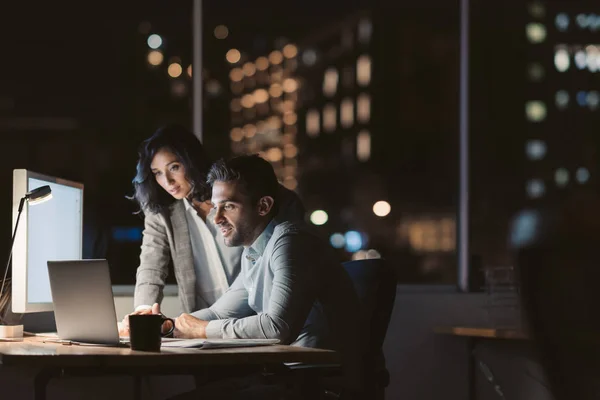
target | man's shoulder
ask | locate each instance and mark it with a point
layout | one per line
(287, 227)
(295, 231)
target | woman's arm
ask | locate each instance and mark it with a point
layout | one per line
(154, 261)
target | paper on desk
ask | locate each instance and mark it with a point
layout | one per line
(217, 343)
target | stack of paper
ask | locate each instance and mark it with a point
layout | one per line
(216, 343)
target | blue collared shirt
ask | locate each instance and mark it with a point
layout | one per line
(291, 288)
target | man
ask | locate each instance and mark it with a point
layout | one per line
(291, 287)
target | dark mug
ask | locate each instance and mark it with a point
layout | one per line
(145, 331)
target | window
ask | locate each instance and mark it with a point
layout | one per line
(363, 70)
(329, 118)
(313, 121)
(347, 113)
(330, 82)
(363, 108)
(363, 146)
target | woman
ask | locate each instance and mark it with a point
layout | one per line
(170, 187)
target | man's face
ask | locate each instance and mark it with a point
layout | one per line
(236, 217)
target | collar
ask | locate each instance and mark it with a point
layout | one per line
(257, 248)
(188, 204)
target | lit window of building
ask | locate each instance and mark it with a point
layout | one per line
(535, 111)
(330, 82)
(363, 70)
(562, 60)
(275, 57)
(249, 69)
(347, 113)
(363, 146)
(233, 56)
(329, 118)
(561, 177)
(363, 108)
(236, 74)
(535, 149)
(313, 121)
(536, 32)
(561, 99)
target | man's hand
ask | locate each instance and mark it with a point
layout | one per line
(124, 326)
(188, 327)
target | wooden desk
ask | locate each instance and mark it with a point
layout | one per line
(53, 359)
(472, 334)
(483, 333)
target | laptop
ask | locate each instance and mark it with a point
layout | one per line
(84, 308)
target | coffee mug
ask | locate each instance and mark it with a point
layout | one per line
(145, 331)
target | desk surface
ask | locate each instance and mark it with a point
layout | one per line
(489, 333)
(33, 352)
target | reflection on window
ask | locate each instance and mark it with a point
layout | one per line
(347, 113)
(330, 82)
(363, 108)
(363, 70)
(312, 123)
(329, 118)
(363, 146)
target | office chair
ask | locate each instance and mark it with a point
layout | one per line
(558, 262)
(375, 283)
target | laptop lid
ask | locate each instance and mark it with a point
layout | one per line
(84, 307)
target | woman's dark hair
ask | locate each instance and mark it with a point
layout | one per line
(190, 153)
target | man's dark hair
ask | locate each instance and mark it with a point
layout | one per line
(190, 153)
(253, 175)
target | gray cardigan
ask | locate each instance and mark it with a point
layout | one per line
(166, 237)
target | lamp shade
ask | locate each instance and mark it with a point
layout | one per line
(39, 195)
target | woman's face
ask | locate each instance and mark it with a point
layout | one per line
(170, 174)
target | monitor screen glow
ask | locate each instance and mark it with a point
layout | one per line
(47, 231)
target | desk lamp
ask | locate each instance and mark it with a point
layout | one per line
(35, 196)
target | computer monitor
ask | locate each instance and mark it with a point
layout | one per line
(49, 231)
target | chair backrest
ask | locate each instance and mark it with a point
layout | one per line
(375, 284)
(558, 261)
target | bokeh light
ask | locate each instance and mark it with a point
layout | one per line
(154, 41)
(319, 217)
(381, 208)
